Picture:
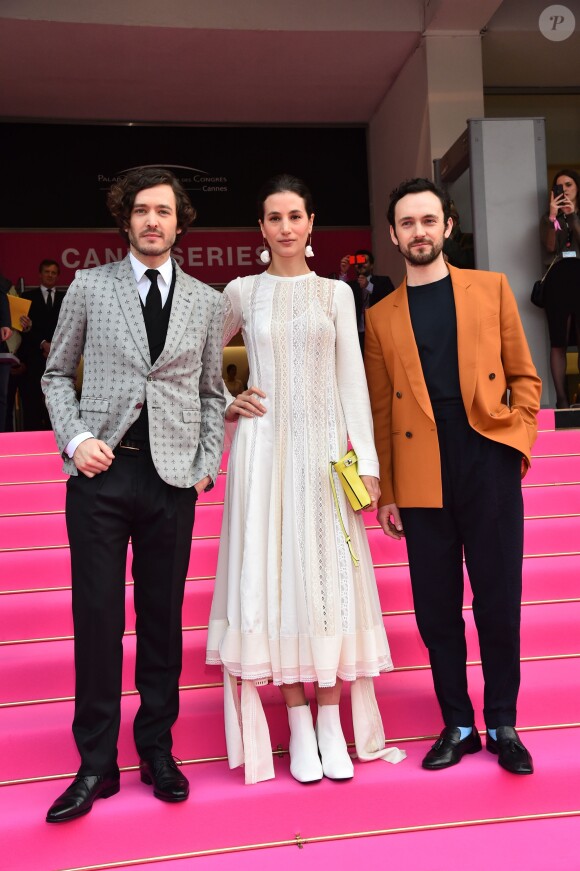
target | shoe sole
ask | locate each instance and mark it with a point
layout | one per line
(339, 779)
(307, 782)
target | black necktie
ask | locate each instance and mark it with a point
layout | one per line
(49, 300)
(153, 301)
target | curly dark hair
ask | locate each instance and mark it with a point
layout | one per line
(417, 186)
(122, 193)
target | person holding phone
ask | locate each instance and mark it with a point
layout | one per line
(367, 288)
(560, 235)
(290, 605)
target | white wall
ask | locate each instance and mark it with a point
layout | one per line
(399, 148)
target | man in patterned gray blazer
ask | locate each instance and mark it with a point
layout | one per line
(144, 439)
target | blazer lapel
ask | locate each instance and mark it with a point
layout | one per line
(467, 313)
(183, 299)
(131, 306)
(404, 341)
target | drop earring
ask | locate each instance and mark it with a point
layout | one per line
(265, 254)
(308, 252)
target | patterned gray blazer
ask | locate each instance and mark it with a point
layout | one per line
(101, 320)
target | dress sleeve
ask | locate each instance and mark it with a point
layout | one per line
(351, 379)
(232, 309)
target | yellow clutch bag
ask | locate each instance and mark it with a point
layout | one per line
(356, 492)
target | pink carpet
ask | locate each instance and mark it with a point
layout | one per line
(474, 816)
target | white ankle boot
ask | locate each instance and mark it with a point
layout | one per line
(336, 762)
(304, 759)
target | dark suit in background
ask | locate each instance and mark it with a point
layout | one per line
(44, 320)
(380, 287)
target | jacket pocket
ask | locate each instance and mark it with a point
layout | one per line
(191, 415)
(88, 404)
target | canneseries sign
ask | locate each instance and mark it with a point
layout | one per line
(212, 255)
(67, 219)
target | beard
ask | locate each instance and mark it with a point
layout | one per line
(151, 249)
(431, 252)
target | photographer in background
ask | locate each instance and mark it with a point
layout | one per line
(560, 234)
(368, 289)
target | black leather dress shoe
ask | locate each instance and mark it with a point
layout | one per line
(449, 749)
(79, 797)
(511, 753)
(169, 784)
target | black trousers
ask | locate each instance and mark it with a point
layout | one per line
(34, 412)
(129, 500)
(481, 519)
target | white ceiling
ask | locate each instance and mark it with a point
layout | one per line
(253, 62)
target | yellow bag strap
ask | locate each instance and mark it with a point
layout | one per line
(353, 555)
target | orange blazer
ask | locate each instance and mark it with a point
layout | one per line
(493, 356)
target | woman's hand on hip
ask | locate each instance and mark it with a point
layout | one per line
(247, 404)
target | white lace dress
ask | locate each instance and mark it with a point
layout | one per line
(289, 605)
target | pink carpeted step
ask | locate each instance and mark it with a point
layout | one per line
(40, 740)
(562, 441)
(503, 845)
(541, 536)
(50, 567)
(553, 577)
(546, 535)
(543, 501)
(34, 570)
(32, 498)
(31, 513)
(552, 535)
(133, 825)
(14, 443)
(47, 614)
(48, 466)
(546, 419)
(33, 501)
(47, 530)
(42, 469)
(547, 630)
(31, 467)
(554, 470)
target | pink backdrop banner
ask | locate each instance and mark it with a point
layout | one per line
(213, 256)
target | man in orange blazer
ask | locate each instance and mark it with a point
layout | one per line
(442, 351)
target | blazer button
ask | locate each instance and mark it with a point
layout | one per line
(139, 405)
(398, 395)
(150, 378)
(409, 435)
(491, 376)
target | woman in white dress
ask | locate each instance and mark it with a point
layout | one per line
(290, 606)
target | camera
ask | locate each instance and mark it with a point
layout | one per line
(357, 259)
